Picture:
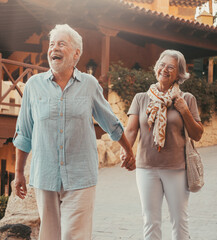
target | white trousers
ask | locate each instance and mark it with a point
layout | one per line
(153, 184)
(66, 215)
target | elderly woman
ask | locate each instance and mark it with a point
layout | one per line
(161, 115)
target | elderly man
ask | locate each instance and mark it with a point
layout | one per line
(55, 122)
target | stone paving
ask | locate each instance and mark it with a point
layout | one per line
(117, 212)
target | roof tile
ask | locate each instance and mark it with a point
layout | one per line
(186, 3)
(171, 18)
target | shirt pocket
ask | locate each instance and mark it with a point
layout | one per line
(77, 107)
(42, 108)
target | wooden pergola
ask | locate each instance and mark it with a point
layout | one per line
(112, 18)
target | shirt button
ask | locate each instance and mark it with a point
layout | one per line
(61, 130)
(62, 163)
(61, 147)
(61, 114)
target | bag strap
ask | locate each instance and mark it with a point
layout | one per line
(187, 138)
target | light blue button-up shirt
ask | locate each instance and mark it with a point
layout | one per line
(58, 126)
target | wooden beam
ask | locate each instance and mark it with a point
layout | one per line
(178, 29)
(105, 56)
(26, 65)
(164, 26)
(192, 32)
(157, 33)
(41, 3)
(22, 47)
(27, 9)
(10, 104)
(14, 84)
(210, 70)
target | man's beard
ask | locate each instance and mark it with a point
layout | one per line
(61, 67)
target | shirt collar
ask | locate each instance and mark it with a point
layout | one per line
(76, 75)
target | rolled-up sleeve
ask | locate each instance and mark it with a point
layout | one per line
(24, 125)
(104, 115)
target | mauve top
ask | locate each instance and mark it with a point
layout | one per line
(172, 155)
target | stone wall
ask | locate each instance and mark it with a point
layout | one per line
(21, 214)
(108, 151)
(209, 137)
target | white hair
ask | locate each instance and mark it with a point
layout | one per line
(183, 75)
(76, 38)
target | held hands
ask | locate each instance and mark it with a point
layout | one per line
(20, 185)
(127, 159)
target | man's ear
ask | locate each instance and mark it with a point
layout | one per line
(77, 54)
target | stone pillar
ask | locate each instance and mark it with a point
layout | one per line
(210, 70)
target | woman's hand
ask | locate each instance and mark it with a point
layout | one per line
(180, 105)
(194, 128)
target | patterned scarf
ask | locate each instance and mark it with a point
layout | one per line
(157, 111)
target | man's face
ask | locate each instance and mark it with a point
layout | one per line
(61, 54)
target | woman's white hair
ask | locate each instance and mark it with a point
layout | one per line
(183, 75)
(76, 38)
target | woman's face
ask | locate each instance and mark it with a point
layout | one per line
(167, 72)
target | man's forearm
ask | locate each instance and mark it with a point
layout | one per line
(124, 143)
(21, 157)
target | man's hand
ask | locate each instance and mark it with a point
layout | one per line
(20, 181)
(20, 185)
(128, 160)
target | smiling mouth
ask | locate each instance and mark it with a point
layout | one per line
(164, 75)
(56, 57)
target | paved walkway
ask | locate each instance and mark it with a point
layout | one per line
(118, 215)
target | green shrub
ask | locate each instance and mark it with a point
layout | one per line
(3, 205)
(204, 93)
(127, 82)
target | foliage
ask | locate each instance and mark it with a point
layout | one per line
(204, 93)
(127, 82)
(3, 205)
